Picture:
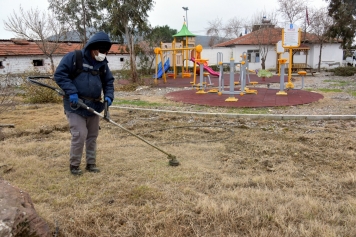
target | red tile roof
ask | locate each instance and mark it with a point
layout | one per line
(263, 36)
(18, 47)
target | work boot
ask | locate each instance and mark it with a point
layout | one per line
(75, 170)
(92, 168)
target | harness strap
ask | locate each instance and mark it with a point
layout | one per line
(91, 99)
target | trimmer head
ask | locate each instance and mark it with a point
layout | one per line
(173, 160)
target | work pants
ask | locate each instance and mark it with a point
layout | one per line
(85, 131)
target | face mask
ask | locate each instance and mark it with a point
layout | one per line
(100, 57)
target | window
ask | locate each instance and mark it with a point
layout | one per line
(121, 59)
(1, 64)
(37, 62)
(253, 56)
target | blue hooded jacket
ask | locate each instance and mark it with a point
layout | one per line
(89, 87)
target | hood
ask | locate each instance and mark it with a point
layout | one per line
(98, 39)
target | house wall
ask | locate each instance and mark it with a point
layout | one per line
(236, 53)
(117, 61)
(24, 64)
(331, 53)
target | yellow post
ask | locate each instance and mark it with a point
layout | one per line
(174, 58)
(198, 49)
(290, 84)
(182, 58)
(195, 68)
(157, 51)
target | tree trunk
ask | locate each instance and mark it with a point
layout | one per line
(84, 23)
(321, 49)
(131, 45)
(52, 63)
(263, 63)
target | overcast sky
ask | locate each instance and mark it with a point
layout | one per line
(170, 12)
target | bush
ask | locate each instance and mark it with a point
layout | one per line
(344, 71)
(7, 94)
(38, 94)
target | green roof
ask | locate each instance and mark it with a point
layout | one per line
(184, 32)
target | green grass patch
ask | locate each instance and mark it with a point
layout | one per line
(329, 90)
(248, 111)
(351, 92)
(138, 103)
(340, 83)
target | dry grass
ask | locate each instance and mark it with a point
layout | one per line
(254, 177)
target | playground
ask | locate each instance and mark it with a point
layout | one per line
(265, 97)
(240, 87)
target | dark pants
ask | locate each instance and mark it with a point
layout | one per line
(84, 130)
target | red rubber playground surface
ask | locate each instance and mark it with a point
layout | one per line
(265, 97)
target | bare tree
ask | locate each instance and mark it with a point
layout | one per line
(264, 34)
(215, 31)
(219, 32)
(41, 27)
(319, 26)
(292, 10)
(261, 19)
(234, 27)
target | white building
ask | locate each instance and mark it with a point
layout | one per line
(22, 56)
(307, 55)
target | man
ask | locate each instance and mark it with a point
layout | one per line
(87, 85)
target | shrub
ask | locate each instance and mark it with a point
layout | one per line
(38, 94)
(344, 71)
(7, 93)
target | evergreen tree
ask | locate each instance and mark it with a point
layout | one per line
(80, 16)
(127, 19)
(343, 13)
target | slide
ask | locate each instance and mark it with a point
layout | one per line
(208, 69)
(160, 71)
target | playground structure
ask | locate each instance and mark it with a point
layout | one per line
(221, 90)
(179, 54)
(242, 78)
(282, 62)
(176, 52)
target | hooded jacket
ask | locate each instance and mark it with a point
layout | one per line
(88, 84)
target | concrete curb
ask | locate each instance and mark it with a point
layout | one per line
(251, 116)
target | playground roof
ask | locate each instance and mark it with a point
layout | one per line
(184, 32)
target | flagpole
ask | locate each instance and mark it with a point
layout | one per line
(305, 25)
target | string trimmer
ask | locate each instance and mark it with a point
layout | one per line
(172, 159)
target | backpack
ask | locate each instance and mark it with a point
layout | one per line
(79, 67)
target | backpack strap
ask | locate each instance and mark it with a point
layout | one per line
(78, 64)
(102, 73)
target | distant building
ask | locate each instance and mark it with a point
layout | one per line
(21, 56)
(307, 54)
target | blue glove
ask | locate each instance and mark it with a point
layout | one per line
(108, 100)
(73, 98)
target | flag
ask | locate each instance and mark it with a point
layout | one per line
(307, 16)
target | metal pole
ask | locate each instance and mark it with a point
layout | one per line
(186, 14)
